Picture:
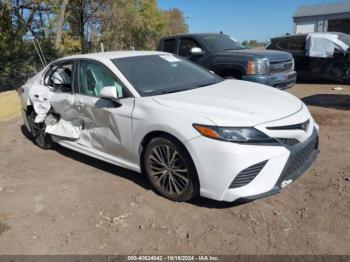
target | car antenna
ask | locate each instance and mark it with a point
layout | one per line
(102, 47)
(41, 56)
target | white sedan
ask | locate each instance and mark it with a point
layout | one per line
(190, 131)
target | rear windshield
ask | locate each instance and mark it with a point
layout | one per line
(221, 42)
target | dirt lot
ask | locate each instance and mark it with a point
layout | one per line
(61, 202)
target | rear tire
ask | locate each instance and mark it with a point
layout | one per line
(170, 169)
(39, 137)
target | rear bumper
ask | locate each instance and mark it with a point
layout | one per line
(280, 81)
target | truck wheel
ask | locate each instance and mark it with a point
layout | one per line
(40, 138)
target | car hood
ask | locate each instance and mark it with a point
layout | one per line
(234, 103)
(272, 55)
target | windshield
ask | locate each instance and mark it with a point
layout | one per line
(162, 74)
(221, 42)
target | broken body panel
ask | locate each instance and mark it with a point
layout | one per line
(318, 55)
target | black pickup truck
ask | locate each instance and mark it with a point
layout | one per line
(226, 57)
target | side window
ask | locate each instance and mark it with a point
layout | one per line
(94, 76)
(60, 77)
(169, 46)
(296, 44)
(186, 44)
(282, 44)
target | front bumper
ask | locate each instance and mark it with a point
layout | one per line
(305, 154)
(280, 81)
(220, 163)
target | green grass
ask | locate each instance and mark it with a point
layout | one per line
(9, 105)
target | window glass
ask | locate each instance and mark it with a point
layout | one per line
(282, 44)
(94, 76)
(60, 77)
(162, 74)
(186, 45)
(169, 46)
(221, 42)
(297, 44)
(345, 38)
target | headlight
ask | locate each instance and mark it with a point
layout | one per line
(293, 66)
(234, 134)
(258, 67)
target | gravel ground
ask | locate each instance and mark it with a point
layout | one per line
(62, 202)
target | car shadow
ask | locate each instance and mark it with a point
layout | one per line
(132, 176)
(96, 163)
(214, 204)
(335, 101)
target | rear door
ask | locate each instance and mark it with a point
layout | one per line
(169, 45)
(106, 125)
(60, 80)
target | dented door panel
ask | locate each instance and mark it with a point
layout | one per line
(106, 125)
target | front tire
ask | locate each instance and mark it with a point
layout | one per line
(170, 169)
(37, 130)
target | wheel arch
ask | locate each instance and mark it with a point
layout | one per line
(153, 134)
(158, 133)
(236, 71)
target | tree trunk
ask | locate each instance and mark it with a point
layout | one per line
(82, 24)
(60, 23)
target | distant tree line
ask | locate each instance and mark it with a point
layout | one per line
(254, 44)
(77, 26)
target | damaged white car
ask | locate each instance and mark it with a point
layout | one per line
(190, 131)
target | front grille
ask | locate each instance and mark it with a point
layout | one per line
(288, 141)
(299, 160)
(247, 175)
(281, 66)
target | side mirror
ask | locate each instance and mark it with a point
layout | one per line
(109, 92)
(197, 51)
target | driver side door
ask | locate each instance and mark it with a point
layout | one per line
(106, 124)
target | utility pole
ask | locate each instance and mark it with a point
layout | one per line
(187, 23)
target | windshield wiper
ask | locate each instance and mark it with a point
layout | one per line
(173, 91)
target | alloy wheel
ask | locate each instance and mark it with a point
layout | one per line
(168, 169)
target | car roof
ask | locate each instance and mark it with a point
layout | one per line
(305, 35)
(113, 55)
(289, 36)
(190, 35)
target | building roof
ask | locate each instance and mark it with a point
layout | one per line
(322, 9)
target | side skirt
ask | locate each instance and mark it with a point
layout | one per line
(97, 154)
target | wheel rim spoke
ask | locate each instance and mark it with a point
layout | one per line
(181, 177)
(168, 169)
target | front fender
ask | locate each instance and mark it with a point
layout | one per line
(150, 116)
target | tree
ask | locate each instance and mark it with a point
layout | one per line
(60, 23)
(80, 14)
(64, 27)
(175, 22)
